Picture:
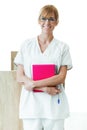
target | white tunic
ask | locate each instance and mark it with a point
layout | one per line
(41, 104)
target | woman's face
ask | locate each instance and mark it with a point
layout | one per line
(47, 23)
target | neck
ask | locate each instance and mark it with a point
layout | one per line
(45, 38)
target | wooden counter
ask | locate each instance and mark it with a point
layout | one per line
(9, 101)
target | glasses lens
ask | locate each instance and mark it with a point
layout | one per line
(51, 19)
(43, 19)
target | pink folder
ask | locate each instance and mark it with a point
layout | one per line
(42, 71)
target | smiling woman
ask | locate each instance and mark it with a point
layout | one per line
(44, 50)
(72, 28)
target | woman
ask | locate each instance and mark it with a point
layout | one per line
(49, 108)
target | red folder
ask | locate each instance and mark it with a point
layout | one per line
(42, 71)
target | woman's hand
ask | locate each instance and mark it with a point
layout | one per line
(29, 85)
(51, 90)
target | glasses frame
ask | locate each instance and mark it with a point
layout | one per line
(50, 19)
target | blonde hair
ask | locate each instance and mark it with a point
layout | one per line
(48, 10)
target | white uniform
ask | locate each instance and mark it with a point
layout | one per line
(42, 105)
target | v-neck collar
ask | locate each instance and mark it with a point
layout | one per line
(50, 44)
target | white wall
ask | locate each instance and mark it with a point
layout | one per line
(18, 21)
(77, 121)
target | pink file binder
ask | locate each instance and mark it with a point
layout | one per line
(42, 71)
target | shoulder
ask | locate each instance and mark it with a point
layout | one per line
(28, 43)
(61, 45)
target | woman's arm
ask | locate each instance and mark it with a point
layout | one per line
(22, 79)
(54, 80)
(46, 85)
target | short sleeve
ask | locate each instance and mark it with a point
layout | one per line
(19, 57)
(66, 57)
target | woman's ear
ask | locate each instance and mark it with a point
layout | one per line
(57, 22)
(38, 22)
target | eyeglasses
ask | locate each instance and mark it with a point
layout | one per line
(51, 19)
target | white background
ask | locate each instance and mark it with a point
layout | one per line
(18, 22)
